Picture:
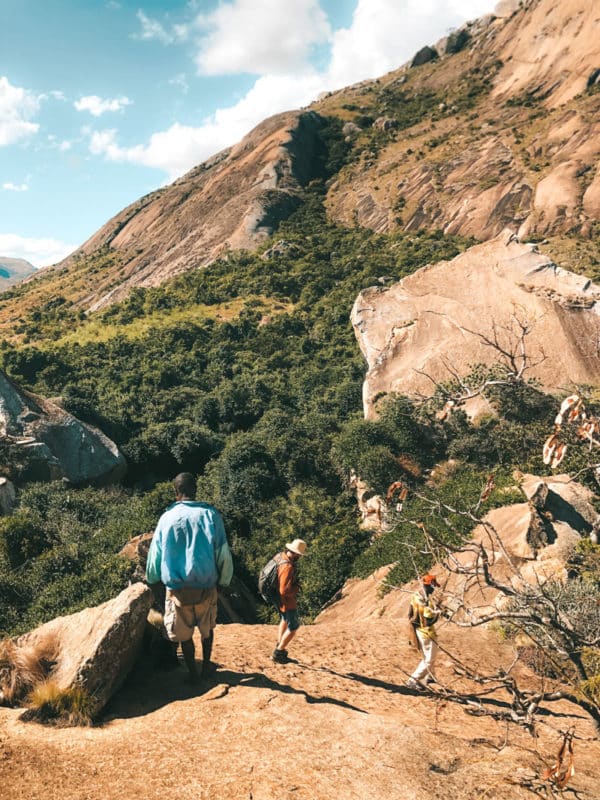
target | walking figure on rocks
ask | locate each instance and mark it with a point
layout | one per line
(422, 615)
(190, 555)
(288, 587)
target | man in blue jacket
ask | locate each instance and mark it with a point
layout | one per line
(190, 555)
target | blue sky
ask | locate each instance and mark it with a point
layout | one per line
(102, 101)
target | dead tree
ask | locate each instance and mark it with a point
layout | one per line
(512, 365)
(561, 619)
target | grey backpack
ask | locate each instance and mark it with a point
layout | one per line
(268, 585)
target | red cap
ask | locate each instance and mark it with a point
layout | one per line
(429, 580)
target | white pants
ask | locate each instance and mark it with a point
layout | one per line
(429, 649)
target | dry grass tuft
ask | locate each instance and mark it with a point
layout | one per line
(22, 667)
(50, 704)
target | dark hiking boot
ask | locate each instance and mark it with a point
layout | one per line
(280, 656)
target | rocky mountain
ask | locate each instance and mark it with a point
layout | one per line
(507, 133)
(13, 271)
(232, 201)
(495, 126)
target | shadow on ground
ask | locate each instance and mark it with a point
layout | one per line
(146, 690)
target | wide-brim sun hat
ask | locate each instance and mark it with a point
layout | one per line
(298, 546)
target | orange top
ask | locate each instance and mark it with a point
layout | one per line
(289, 585)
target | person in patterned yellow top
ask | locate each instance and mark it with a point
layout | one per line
(423, 615)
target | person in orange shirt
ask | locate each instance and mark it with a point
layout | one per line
(289, 586)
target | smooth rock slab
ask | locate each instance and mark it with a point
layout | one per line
(439, 321)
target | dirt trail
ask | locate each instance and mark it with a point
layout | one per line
(337, 723)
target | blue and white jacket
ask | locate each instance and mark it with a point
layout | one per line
(189, 548)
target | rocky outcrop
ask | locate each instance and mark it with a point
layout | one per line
(424, 56)
(444, 318)
(45, 442)
(530, 161)
(92, 650)
(538, 536)
(7, 497)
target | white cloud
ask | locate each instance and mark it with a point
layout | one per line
(65, 145)
(98, 105)
(386, 33)
(152, 29)
(17, 106)
(383, 35)
(40, 252)
(15, 187)
(260, 36)
(180, 82)
(181, 147)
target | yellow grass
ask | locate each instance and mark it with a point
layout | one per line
(96, 330)
(49, 703)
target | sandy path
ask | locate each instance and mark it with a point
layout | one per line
(337, 723)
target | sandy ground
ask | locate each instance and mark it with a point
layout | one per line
(336, 723)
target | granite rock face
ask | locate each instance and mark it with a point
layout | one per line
(441, 319)
(45, 442)
(232, 201)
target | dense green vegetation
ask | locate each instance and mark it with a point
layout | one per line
(254, 404)
(265, 405)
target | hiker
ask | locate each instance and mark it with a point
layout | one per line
(190, 555)
(288, 586)
(422, 616)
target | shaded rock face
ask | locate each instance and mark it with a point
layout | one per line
(424, 56)
(93, 650)
(7, 497)
(48, 443)
(435, 321)
(232, 201)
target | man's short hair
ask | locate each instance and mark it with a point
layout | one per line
(185, 484)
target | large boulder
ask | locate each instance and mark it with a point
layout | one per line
(92, 650)
(45, 442)
(533, 539)
(424, 56)
(442, 319)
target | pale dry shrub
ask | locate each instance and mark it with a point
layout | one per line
(22, 667)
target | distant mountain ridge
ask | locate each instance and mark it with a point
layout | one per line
(13, 271)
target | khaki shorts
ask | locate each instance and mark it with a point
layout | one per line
(182, 616)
